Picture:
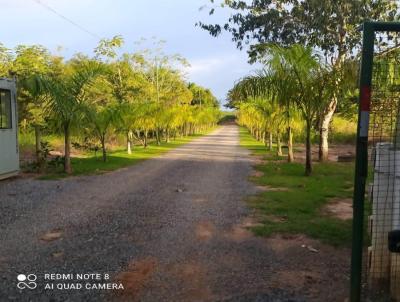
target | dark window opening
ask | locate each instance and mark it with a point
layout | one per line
(5, 109)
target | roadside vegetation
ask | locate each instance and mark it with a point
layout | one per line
(294, 204)
(300, 105)
(91, 113)
(90, 163)
(309, 52)
(286, 100)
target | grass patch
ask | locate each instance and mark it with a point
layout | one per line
(92, 164)
(343, 130)
(256, 147)
(300, 204)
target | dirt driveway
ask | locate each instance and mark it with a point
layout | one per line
(168, 229)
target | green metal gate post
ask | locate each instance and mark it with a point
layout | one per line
(361, 169)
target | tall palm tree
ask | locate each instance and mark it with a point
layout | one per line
(305, 70)
(67, 96)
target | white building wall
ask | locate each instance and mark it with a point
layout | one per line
(9, 154)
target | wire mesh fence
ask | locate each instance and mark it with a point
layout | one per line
(382, 258)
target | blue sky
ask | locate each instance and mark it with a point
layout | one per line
(215, 62)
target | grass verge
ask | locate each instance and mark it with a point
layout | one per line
(297, 207)
(92, 164)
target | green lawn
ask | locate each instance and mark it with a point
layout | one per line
(92, 164)
(298, 209)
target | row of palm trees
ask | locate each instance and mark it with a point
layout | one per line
(135, 94)
(288, 95)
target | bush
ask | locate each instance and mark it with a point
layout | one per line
(343, 131)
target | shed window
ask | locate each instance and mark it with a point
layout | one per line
(5, 109)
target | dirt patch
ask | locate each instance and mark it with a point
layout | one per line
(339, 208)
(296, 279)
(258, 160)
(251, 221)
(274, 218)
(256, 173)
(3, 260)
(293, 243)
(199, 200)
(57, 254)
(271, 189)
(136, 276)
(241, 232)
(192, 277)
(279, 243)
(316, 275)
(205, 230)
(51, 236)
(334, 152)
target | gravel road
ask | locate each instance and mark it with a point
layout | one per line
(168, 229)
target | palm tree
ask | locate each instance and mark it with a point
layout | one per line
(295, 81)
(67, 96)
(305, 72)
(284, 91)
(101, 110)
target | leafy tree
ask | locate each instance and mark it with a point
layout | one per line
(296, 78)
(330, 27)
(305, 72)
(143, 94)
(31, 62)
(275, 86)
(67, 97)
(101, 109)
(37, 113)
(202, 96)
(167, 85)
(6, 59)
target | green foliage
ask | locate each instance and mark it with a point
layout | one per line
(141, 95)
(202, 96)
(344, 130)
(91, 164)
(331, 26)
(294, 83)
(298, 207)
(5, 61)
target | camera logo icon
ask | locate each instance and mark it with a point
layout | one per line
(26, 281)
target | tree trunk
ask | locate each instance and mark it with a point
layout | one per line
(129, 141)
(270, 141)
(38, 149)
(145, 139)
(278, 145)
(158, 136)
(167, 135)
(324, 129)
(103, 147)
(290, 145)
(327, 114)
(67, 149)
(139, 137)
(308, 149)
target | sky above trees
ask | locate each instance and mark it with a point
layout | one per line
(215, 63)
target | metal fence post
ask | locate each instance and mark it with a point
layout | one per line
(361, 169)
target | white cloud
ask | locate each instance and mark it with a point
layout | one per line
(204, 66)
(219, 72)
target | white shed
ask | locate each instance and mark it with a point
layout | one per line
(9, 155)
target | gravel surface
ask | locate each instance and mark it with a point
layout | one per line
(169, 229)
